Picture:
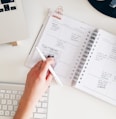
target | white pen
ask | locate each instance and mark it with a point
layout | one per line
(50, 68)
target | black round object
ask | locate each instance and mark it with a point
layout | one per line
(107, 7)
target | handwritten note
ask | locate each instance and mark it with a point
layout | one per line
(99, 78)
(64, 40)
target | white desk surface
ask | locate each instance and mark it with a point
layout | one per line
(66, 102)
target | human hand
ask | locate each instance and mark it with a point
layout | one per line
(38, 80)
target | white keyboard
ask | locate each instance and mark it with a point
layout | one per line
(10, 95)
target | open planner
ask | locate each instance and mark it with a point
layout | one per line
(85, 56)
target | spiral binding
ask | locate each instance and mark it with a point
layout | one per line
(86, 49)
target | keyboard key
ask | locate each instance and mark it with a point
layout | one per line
(35, 110)
(9, 102)
(12, 96)
(20, 92)
(10, 107)
(15, 108)
(1, 10)
(14, 92)
(39, 104)
(1, 112)
(6, 7)
(4, 107)
(2, 91)
(41, 110)
(7, 113)
(18, 97)
(12, 113)
(13, 8)
(1, 95)
(43, 99)
(15, 102)
(3, 101)
(44, 105)
(8, 91)
(6, 96)
(39, 116)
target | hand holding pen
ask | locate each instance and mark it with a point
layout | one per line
(50, 68)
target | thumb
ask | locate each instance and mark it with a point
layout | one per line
(49, 78)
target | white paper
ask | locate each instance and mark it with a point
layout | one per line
(62, 39)
(99, 76)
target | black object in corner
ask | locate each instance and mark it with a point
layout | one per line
(107, 7)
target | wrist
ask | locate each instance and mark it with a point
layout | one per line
(25, 108)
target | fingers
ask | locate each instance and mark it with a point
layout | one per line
(38, 65)
(42, 67)
(49, 78)
(46, 64)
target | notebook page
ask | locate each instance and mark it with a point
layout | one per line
(98, 76)
(62, 39)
